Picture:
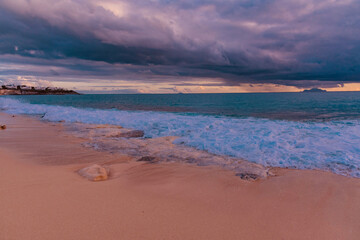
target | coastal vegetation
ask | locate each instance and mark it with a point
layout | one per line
(29, 90)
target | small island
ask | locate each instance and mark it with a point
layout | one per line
(27, 90)
(314, 90)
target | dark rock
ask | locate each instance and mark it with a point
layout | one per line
(131, 134)
(147, 159)
(247, 176)
(3, 127)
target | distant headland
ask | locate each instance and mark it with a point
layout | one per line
(314, 90)
(26, 90)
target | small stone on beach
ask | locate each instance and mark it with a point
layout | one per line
(147, 159)
(247, 176)
(94, 173)
(3, 127)
(131, 134)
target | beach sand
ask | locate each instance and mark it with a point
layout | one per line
(43, 197)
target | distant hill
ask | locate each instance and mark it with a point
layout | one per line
(315, 90)
(26, 90)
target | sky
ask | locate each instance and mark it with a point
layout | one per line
(171, 46)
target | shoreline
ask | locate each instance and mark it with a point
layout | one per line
(328, 145)
(43, 197)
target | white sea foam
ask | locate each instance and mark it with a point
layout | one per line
(333, 145)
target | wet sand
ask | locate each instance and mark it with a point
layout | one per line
(42, 196)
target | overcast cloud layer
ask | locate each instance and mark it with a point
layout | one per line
(290, 42)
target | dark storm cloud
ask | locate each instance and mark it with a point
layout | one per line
(285, 42)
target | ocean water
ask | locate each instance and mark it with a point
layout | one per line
(295, 130)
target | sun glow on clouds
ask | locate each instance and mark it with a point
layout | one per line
(346, 87)
(161, 88)
(118, 8)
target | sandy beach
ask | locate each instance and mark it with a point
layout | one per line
(43, 197)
